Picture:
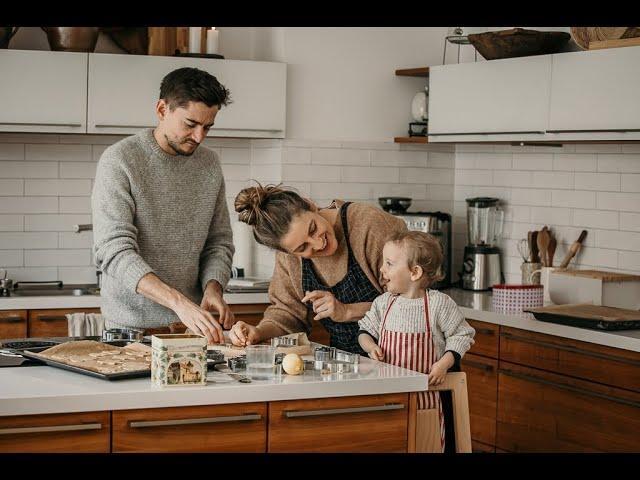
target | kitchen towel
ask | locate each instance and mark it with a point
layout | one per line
(244, 242)
(85, 324)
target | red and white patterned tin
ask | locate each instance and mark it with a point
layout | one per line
(515, 298)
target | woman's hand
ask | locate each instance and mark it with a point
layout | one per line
(243, 334)
(325, 305)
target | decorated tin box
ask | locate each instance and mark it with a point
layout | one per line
(178, 360)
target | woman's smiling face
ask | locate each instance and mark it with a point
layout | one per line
(310, 235)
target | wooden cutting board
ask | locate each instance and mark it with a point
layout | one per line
(589, 316)
(599, 274)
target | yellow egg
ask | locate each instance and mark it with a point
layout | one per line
(292, 364)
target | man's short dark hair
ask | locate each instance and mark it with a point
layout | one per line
(188, 84)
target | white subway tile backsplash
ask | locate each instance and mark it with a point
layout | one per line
(312, 173)
(347, 191)
(11, 151)
(624, 202)
(11, 258)
(77, 275)
(266, 143)
(631, 182)
(302, 188)
(440, 192)
(11, 186)
(618, 240)
(629, 260)
(389, 158)
(28, 240)
(300, 156)
(34, 274)
(630, 148)
(575, 162)
(339, 156)
(236, 172)
(512, 178)
(85, 139)
(494, 161)
(628, 221)
(75, 240)
(80, 187)
(474, 147)
(573, 198)
(437, 176)
(414, 191)
(29, 205)
(28, 138)
(462, 192)
(235, 155)
(598, 148)
(604, 219)
(517, 213)
(58, 152)
(503, 193)
(52, 258)
(232, 187)
(532, 161)
(441, 160)
(368, 174)
(550, 216)
(28, 169)
(266, 156)
(54, 223)
(553, 180)
(531, 196)
(603, 182)
(11, 223)
(465, 161)
(75, 205)
(594, 257)
(267, 173)
(78, 169)
(473, 177)
(624, 163)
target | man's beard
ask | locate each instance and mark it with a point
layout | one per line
(176, 148)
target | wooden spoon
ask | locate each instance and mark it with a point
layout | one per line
(543, 245)
(551, 251)
(533, 244)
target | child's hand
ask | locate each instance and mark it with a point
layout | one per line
(376, 353)
(438, 372)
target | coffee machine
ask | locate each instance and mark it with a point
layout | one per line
(437, 224)
(481, 264)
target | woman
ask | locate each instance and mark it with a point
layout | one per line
(327, 263)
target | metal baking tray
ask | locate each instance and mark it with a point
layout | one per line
(84, 371)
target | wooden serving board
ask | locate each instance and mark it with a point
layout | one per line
(589, 316)
(599, 274)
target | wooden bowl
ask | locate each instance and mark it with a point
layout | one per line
(583, 36)
(517, 42)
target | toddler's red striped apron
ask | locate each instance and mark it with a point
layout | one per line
(414, 351)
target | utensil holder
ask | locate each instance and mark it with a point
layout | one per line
(530, 273)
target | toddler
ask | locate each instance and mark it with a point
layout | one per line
(410, 325)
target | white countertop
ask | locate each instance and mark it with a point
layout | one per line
(94, 301)
(34, 390)
(477, 306)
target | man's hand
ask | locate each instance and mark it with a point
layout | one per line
(243, 334)
(199, 321)
(212, 301)
(325, 305)
(376, 353)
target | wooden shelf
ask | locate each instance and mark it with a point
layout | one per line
(411, 140)
(413, 72)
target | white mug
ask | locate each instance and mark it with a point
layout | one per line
(544, 280)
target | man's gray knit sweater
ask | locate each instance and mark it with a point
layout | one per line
(155, 212)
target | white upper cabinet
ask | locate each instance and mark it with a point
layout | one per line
(493, 99)
(124, 89)
(597, 91)
(43, 91)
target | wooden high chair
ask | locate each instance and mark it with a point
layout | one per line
(424, 425)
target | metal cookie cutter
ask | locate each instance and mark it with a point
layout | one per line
(215, 356)
(237, 363)
(332, 360)
(284, 342)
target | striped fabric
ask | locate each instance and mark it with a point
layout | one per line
(415, 351)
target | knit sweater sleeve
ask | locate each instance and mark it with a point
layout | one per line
(217, 254)
(457, 332)
(285, 294)
(115, 237)
(371, 323)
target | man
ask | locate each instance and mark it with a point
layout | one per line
(162, 234)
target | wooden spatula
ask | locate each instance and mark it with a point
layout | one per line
(533, 245)
(551, 251)
(543, 245)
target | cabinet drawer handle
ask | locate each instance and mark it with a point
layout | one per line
(56, 428)
(568, 348)
(42, 124)
(12, 320)
(485, 331)
(106, 125)
(586, 130)
(569, 388)
(56, 318)
(486, 133)
(336, 411)
(194, 421)
(482, 366)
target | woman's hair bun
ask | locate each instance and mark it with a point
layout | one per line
(249, 201)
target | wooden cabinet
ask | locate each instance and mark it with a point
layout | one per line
(218, 428)
(57, 433)
(502, 98)
(482, 386)
(13, 324)
(369, 423)
(52, 323)
(595, 91)
(123, 91)
(42, 91)
(540, 411)
(486, 338)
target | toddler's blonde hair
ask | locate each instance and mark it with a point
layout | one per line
(422, 249)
